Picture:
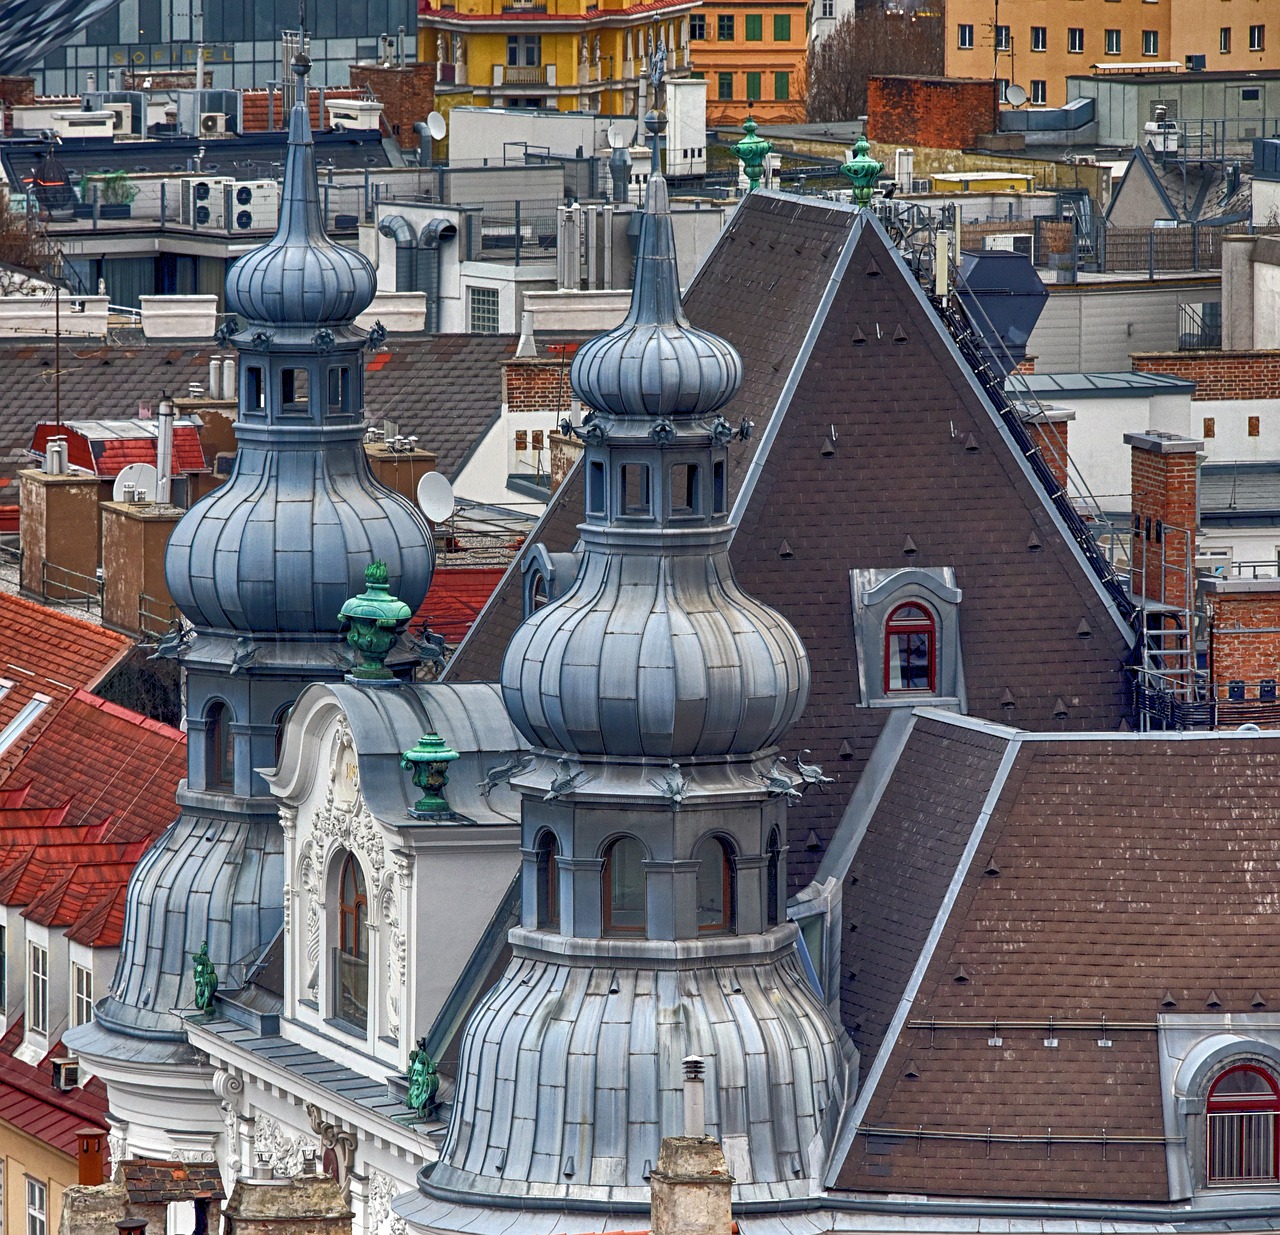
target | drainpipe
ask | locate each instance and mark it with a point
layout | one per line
(397, 227)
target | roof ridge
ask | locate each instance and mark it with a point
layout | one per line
(83, 695)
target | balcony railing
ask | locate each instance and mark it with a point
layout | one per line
(524, 75)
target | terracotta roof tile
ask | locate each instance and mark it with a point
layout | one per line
(156, 1183)
(455, 598)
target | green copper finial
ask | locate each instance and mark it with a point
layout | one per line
(372, 623)
(863, 171)
(429, 761)
(424, 1082)
(753, 151)
(206, 978)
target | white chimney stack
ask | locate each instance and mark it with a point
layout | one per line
(164, 450)
(215, 377)
(695, 1098)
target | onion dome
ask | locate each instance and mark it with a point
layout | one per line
(658, 656)
(280, 548)
(655, 363)
(300, 277)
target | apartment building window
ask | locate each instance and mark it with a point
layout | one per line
(1151, 42)
(782, 27)
(754, 24)
(1003, 41)
(724, 86)
(782, 87)
(484, 310)
(965, 41)
(37, 1207)
(1113, 42)
(697, 25)
(81, 995)
(1224, 40)
(1257, 38)
(724, 27)
(38, 994)
(524, 51)
(1075, 40)
(753, 87)
(1039, 38)
(1039, 92)
(828, 8)
(1002, 89)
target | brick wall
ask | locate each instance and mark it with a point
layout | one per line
(1052, 442)
(565, 452)
(407, 95)
(1218, 375)
(1165, 513)
(930, 111)
(256, 112)
(1245, 638)
(536, 384)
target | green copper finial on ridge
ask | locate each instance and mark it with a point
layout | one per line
(429, 762)
(753, 151)
(863, 171)
(372, 623)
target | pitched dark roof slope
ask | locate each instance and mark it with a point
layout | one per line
(844, 339)
(445, 388)
(1117, 877)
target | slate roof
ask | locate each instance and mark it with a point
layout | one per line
(1234, 494)
(1117, 877)
(1189, 191)
(865, 353)
(447, 389)
(159, 1183)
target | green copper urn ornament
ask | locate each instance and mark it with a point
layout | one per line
(372, 623)
(424, 1082)
(753, 151)
(429, 762)
(206, 978)
(863, 171)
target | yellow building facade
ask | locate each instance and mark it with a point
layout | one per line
(1038, 44)
(33, 1177)
(570, 55)
(752, 53)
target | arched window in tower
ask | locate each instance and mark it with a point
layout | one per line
(910, 649)
(714, 886)
(352, 986)
(773, 878)
(1241, 1114)
(624, 890)
(219, 748)
(548, 883)
(280, 719)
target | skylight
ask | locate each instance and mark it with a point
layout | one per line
(15, 728)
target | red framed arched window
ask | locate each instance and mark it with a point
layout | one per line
(1241, 1114)
(910, 649)
(353, 945)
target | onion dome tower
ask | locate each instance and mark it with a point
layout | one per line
(261, 568)
(654, 692)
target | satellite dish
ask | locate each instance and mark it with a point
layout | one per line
(1016, 95)
(435, 496)
(436, 126)
(618, 137)
(141, 478)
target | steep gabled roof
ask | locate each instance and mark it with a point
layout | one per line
(1078, 888)
(116, 766)
(835, 333)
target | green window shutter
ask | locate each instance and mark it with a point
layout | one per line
(755, 27)
(753, 86)
(782, 27)
(782, 86)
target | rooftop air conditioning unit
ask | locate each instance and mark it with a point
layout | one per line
(252, 205)
(213, 124)
(122, 121)
(203, 204)
(66, 1074)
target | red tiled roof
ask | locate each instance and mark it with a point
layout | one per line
(29, 1102)
(11, 799)
(50, 653)
(425, 9)
(116, 766)
(106, 448)
(455, 599)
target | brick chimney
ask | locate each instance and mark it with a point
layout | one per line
(308, 1204)
(407, 94)
(1166, 513)
(1244, 649)
(135, 596)
(691, 1188)
(59, 531)
(1048, 427)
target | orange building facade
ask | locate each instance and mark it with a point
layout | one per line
(1038, 44)
(752, 54)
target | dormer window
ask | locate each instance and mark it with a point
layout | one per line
(910, 649)
(1241, 1110)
